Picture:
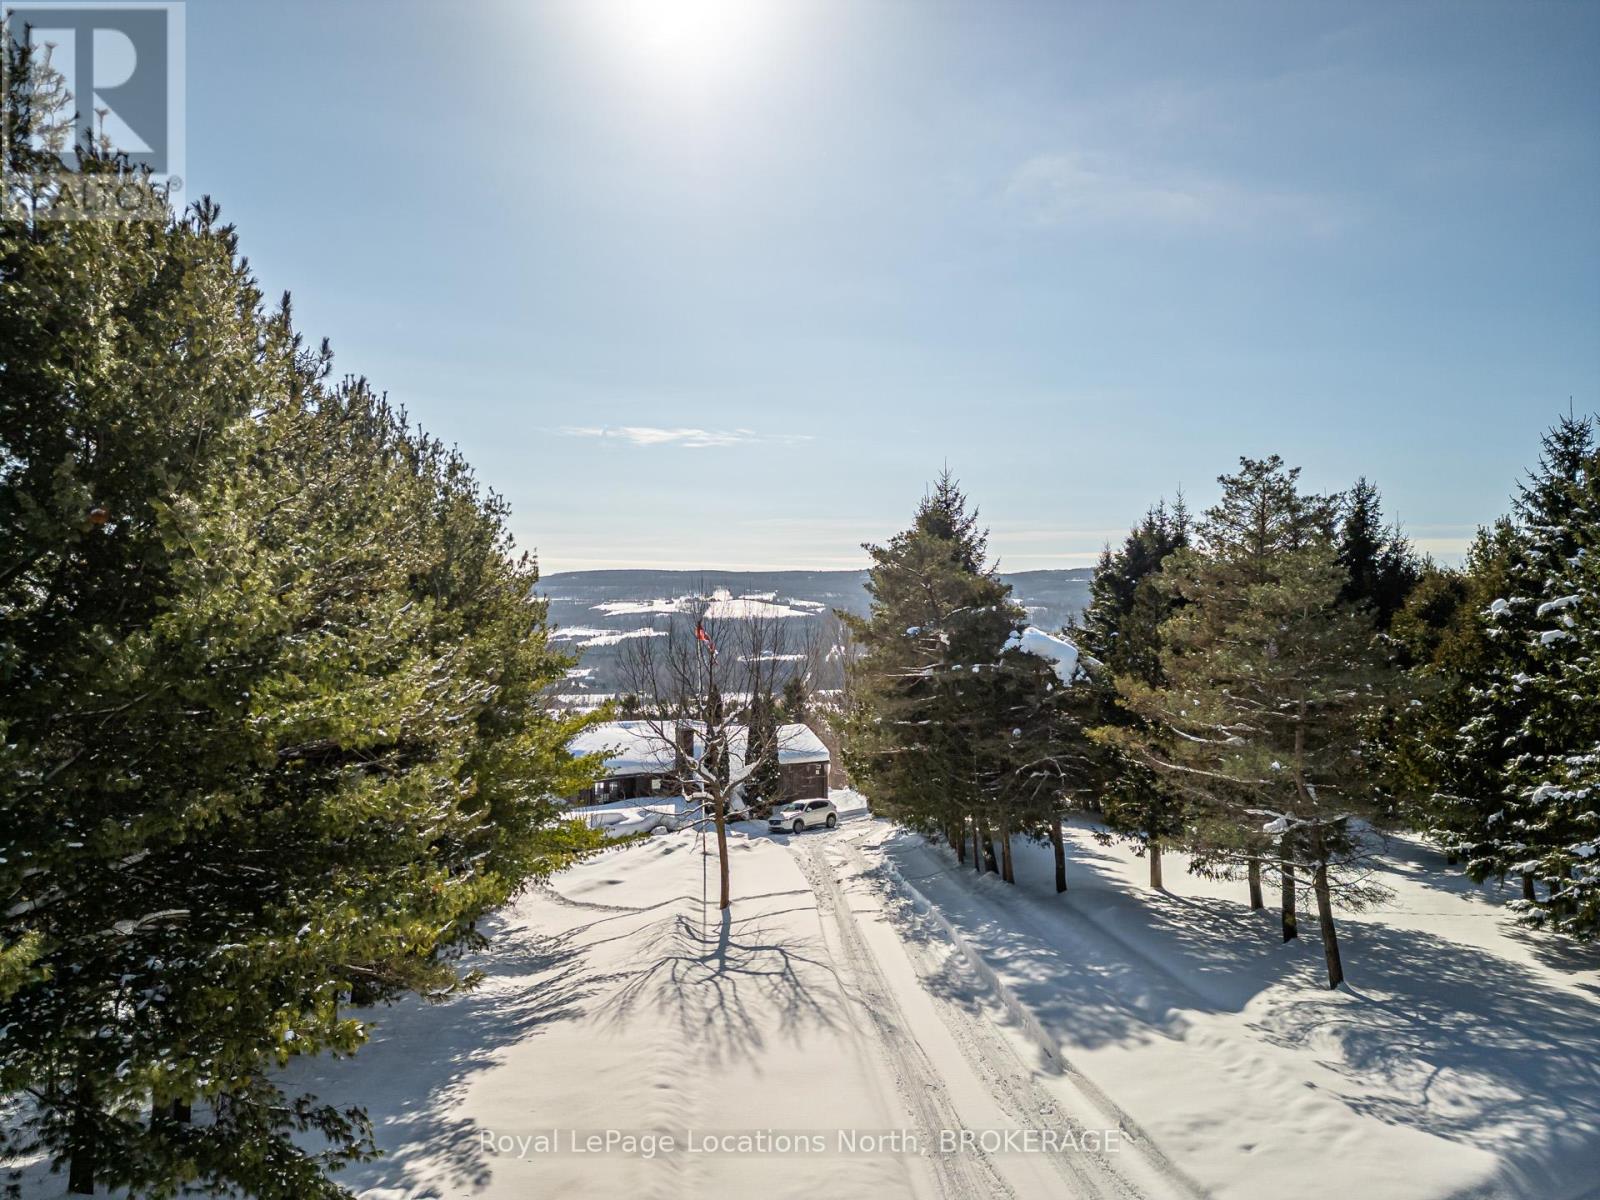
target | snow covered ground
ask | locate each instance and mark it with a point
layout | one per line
(867, 993)
(1463, 1059)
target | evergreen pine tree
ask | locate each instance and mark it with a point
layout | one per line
(766, 780)
(271, 728)
(796, 701)
(1267, 678)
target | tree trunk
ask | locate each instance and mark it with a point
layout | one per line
(1005, 848)
(722, 854)
(1527, 887)
(364, 993)
(1255, 883)
(1155, 864)
(80, 1172)
(958, 842)
(1059, 846)
(977, 845)
(178, 1112)
(990, 862)
(81, 1151)
(1291, 927)
(1330, 939)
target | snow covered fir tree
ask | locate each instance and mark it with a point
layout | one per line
(1517, 777)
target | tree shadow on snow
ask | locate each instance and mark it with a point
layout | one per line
(418, 1064)
(1106, 965)
(1461, 1043)
(1432, 1034)
(1561, 954)
(729, 983)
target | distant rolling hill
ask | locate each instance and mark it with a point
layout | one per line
(598, 612)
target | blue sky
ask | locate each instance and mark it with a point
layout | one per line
(722, 283)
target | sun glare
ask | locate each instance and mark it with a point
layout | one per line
(701, 42)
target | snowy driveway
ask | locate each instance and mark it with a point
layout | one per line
(873, 1020)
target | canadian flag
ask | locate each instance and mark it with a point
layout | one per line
(701, 635)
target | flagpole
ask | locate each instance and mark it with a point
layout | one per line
(705, 866)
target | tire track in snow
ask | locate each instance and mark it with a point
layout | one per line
(1013, 1083)
(1006, 1078)
(959, 1176)
(1025, 920)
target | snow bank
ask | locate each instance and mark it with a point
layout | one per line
(849, 802)
(622, 820)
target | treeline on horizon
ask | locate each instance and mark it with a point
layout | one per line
(272, 727)
(1260, 687)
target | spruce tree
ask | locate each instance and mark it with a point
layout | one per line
(1442, 634)
(1119, 629)
(939, 708)
(1381, 566)
(1555, 778)
(1525, 751)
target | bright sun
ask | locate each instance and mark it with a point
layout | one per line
(704, 41)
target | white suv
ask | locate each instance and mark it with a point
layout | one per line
(803, 814)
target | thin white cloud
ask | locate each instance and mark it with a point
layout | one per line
(1060, 189)
(690, 439)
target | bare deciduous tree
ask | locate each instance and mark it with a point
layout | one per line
(697, 687)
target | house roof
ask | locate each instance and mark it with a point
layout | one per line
(640, 748)
(800, 744)
(630, 747)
